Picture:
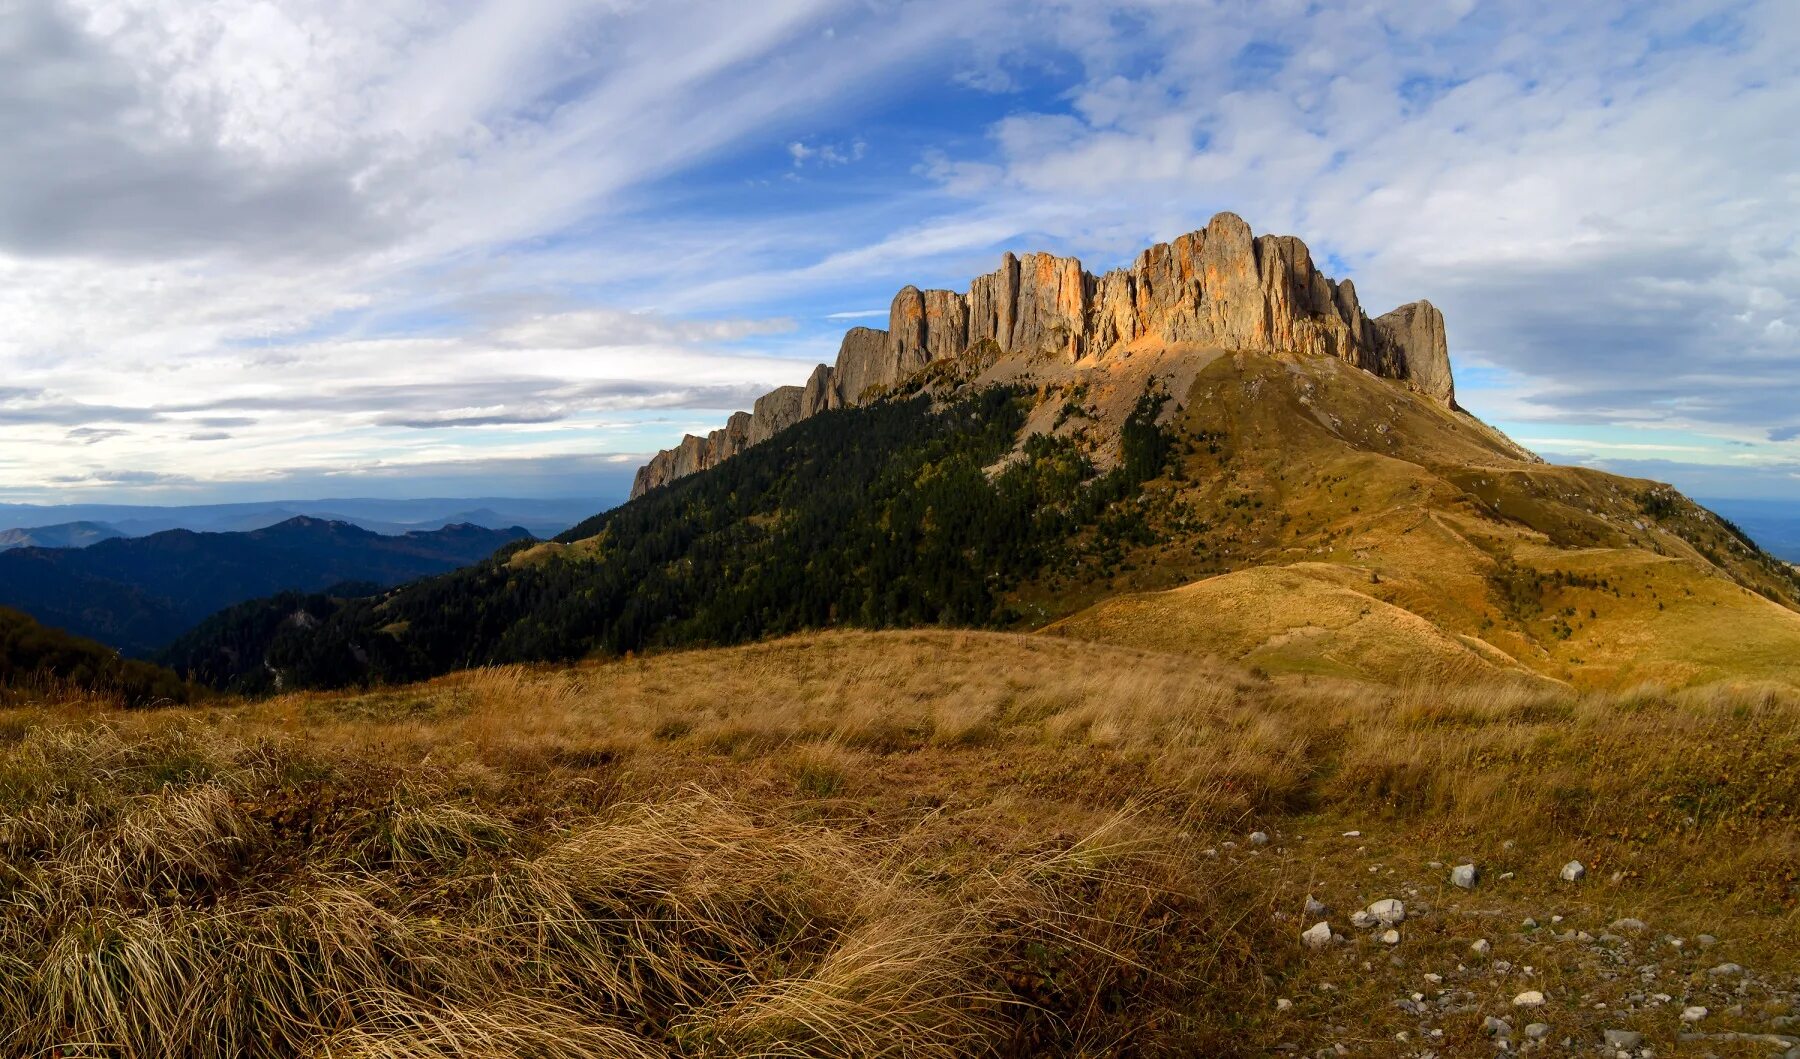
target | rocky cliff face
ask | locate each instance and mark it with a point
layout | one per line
(1219, 287)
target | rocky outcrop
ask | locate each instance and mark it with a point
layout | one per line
(1219, 287)
(1413, 336)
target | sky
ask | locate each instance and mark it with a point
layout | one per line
(252, 250)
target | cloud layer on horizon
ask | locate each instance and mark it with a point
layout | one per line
(242, 243)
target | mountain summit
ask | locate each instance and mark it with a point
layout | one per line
(1219, 288)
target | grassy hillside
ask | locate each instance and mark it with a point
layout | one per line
(40, 662)
(918, 843)
(1319, 520)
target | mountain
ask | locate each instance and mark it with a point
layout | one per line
(542, 517)
(37, 659)
(139, 593)
(1219, 288)
(1214, 452)
(64, 535)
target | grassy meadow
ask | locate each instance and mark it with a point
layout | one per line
(854, 844)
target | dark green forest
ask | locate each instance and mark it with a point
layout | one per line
(874, 516)
(36, 659)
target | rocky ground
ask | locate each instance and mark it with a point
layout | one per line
(1416, 954)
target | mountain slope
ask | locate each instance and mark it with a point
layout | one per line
(872, 516)
(1320, 486)
(140, 593)
(37, 659)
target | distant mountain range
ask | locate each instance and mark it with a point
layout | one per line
(1774, 524)
(63, 535)
(138, 594)
(27, 525)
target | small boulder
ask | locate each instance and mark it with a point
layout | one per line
(1284, 1004)
(1259, 838)
(1390, 937)
(1537, 1031)
(1494, 1027)
(1316, 936)
(1315, 907)
(1624, 1040)
(1463, 875)
(1388, 912)
(1574, 871)
(1361, 919)
(1481, 947)
(1634, 925)
(1531, 998)
(1693, 1014)
(1725, 970)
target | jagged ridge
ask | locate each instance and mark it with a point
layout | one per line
(1219, 287)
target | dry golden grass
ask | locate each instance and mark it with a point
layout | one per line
(922, 843)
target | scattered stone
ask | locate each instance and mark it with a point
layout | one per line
(1537, 1031)
(1316, 936)
(1693, 1014)
(1284, 1004)
(1529, 924)
(1505, 875)
(1259, 838)
(1624, 1039)
(1388, 911)
(1494, 1027)
(1435, 979)
(1361, 919)
(1628, 924)
(1573, 871)
(1481, 947)
(1531, 998)
(1390, 937)
(1353, 834)
(1706, 941)
(1463, 875)
(1725, 969)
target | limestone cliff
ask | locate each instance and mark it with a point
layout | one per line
(1221, 287)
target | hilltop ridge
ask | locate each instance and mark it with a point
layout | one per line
(1220, 287)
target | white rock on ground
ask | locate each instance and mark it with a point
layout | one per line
(1481, 947)
(1693, 1014)
(1361, 919)
(1390, 937)
(1496, 1027)
(1284, 1004)
(1316, 936)
(1388, 911)
(1573, 871)
(1463, 875)
(1259, 838)
(1531, 998)
(1314, 906)
(1624, 1039)
(1537, 1031)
